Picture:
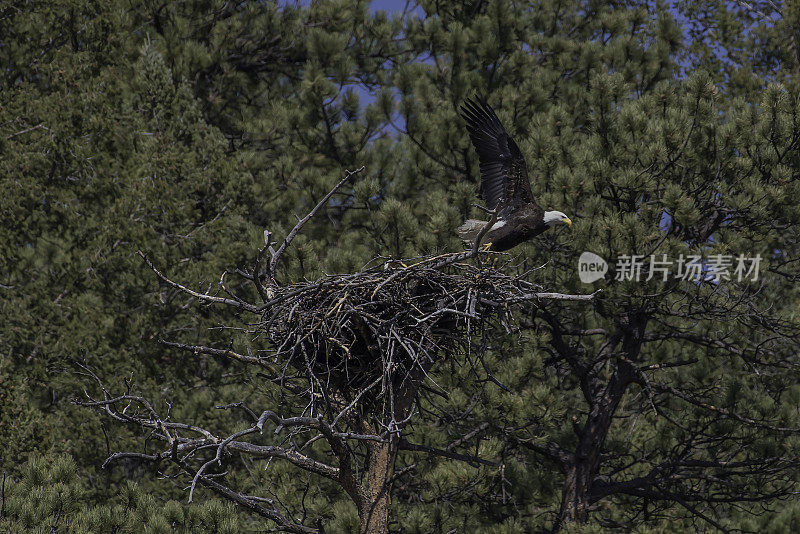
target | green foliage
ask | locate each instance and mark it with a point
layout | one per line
(49, 497)
(186, 129)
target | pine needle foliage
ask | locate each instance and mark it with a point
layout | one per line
(185, 129)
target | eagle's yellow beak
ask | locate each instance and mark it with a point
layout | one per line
(566, 220)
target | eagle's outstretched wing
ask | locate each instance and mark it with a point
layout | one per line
(504, 174)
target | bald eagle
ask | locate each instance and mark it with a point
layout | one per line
(504, 184)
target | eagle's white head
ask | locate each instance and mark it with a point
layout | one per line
(551, 218)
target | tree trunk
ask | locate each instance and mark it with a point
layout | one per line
(376, 494)
(374, 513)
(580, 475)
(575, 495)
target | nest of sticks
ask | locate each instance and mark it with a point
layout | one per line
(366, 333)
(378, 327)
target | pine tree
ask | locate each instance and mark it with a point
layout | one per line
(104, 152)
(641, 404)
(185, 130)
(115, 138)
(50, 498)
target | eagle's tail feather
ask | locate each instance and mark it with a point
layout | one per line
(470, 230)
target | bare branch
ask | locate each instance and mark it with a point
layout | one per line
(26, 130)
(304, 220)
(227, 353)
(472, 460)
(200, 296)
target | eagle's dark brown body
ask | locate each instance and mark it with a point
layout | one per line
(513, 232)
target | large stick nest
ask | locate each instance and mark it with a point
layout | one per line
(380, 325)
(377, 327)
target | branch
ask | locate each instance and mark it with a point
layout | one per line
(725, 412)
(549, 449)
(553, 296)
(26, 130)
(155, 423)
(304, 220)
(542, 296)
(749, 7)
(468, 436)
(262, 292)
(320, 424)
(471, 460)
(199, 296)
(200, 349)
(217, 458)
(248, 503)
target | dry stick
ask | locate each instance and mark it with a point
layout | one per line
(469, 435)
(247, 503)
(200, 296)
(727, 413)
(222, 352)
(408, 446)
(458, 256)
(355, 401)
(257, 267)
(540, 296)
(271, 374)
(155, 423)
(449, 258)
(217, 458)
(328, 432)
(304, 220)
(452, 257)
(26, 130)
(554, 296)
(230, 443)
